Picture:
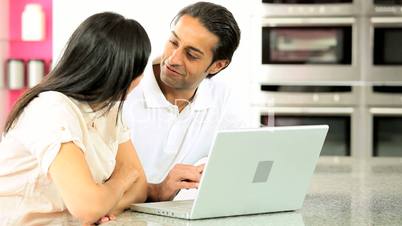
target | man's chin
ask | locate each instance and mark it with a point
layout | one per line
(168, 81)
(174, 84)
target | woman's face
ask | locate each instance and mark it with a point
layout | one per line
(134, 83)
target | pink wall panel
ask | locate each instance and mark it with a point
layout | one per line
(29, 50)
(19, 49)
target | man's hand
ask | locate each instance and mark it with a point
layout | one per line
(181, 176)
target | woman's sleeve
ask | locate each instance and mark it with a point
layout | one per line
(45, 125)
(123, 130)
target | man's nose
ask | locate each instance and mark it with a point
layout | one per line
(175, 58)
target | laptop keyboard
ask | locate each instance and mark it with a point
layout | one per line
(183, 205)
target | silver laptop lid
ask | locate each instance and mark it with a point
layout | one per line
(258, 171)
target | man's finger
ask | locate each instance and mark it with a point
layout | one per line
(193, 175)
(188, 185)
(200, 168)
(185, 172)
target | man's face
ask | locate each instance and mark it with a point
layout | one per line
(187, 56)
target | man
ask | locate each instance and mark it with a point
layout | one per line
(175, 111)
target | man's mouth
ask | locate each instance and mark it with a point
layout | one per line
(172, 70)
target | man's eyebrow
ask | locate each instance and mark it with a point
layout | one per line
(190, 47)
(175, 35)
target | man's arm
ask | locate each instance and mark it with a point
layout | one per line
(181, 176)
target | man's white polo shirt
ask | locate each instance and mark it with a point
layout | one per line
(164, 137)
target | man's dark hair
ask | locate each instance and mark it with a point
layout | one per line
(219, 21)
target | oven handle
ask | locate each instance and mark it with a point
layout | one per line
(309, 110)
(386, 111)
(307, 21)
(386, 20)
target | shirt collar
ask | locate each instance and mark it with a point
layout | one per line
(154, 97)
(203, 97)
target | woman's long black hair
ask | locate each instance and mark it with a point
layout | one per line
(103, 56)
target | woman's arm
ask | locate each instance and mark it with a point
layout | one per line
(137, 192)
(84, 198)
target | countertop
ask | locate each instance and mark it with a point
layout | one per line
(343, 191)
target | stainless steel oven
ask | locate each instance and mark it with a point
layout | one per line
(384, 58)
(385, 110)
(384, 7)
(310, 7)
(290, 105)
(309, 49)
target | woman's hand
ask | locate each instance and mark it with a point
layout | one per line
(107, 218)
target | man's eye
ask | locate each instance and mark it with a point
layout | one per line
(173, 42)
(191, 57)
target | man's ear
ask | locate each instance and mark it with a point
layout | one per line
(217, 66)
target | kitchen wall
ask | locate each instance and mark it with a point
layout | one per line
(13, 47)
(62, 17)
(4, 10)
(26, 50)
(155, 16)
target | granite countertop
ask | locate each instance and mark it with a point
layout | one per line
(343, 191)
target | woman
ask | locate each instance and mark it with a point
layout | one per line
(64, 147)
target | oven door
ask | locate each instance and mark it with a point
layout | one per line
(386, 134)
(384, 96)
(303, 95)
(385, 7)
(385, 49)
(339, 138)
(309, 49)
(310, 7)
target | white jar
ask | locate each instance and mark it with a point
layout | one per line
(33, 23)
(36, 72)
(15, 74)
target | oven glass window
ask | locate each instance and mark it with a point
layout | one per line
(307, 45)
(387, 136)
(306, 1)
(337, 142)
(388, 2)
(387, 46)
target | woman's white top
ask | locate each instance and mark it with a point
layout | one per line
(26, 190)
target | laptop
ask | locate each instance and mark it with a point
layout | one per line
(251, 171)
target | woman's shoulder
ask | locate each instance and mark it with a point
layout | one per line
(52, 96)
(48, 112)
(53, 99)
(50, 103)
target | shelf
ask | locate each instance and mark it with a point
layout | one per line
(22, 41)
